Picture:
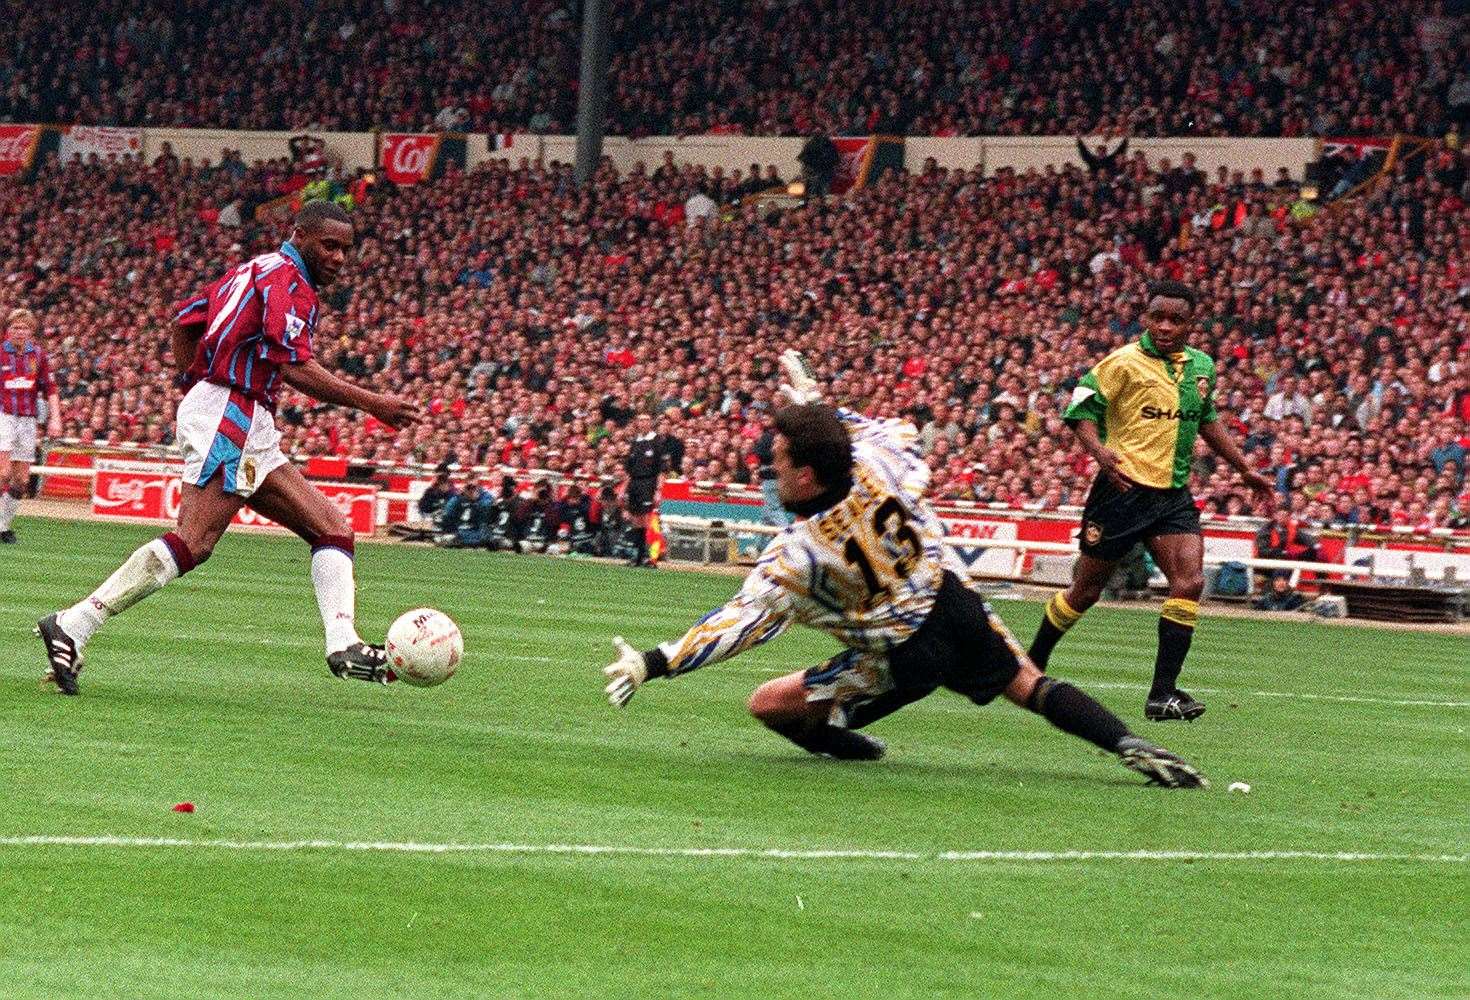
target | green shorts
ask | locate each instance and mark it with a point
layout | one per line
(1115, 520)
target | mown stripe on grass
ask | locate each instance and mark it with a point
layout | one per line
(765, 853)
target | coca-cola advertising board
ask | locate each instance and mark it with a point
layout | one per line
(151, 491)
(17, 147)
(408, 157)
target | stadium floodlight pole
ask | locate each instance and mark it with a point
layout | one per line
(592, 96)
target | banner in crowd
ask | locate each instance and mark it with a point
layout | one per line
(414, 157)
(17, 148)
(860, 162)
(80, 142)
(1357, 147)
(408, 158)
(151, 490)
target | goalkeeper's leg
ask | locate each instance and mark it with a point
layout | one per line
(782, 706)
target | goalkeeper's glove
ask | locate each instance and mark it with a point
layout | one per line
(801, 386)
(631, 670)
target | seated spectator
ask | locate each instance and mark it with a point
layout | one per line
(467, 517)
(1279, 596)
(437, 495)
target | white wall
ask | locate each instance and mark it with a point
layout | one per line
(1024, 153)
(730, 152)
(357, 149)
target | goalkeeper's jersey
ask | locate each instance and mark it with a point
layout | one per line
(866, 569)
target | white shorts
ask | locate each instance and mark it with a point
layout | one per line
(220, 430)
(18, 437)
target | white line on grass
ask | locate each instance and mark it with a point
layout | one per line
(771, 853)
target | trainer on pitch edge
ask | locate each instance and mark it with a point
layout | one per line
(1138, 412)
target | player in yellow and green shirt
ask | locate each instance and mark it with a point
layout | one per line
(1138, 412)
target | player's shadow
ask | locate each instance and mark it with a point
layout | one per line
(1086, 773)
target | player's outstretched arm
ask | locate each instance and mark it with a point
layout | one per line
(311, 378)
(759, 613)
(801, 387)
(1218, 438)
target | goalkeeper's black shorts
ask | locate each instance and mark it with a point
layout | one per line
(962, 645)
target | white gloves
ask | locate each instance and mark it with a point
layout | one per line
(800, 387)
(624, 674)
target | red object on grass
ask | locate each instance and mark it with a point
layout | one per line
(184, 807)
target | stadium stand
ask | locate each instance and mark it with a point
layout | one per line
(536, 318)
(774, 67)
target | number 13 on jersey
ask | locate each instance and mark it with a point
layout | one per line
(884, 548)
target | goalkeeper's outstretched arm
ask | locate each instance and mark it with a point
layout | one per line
(891, 434)
(758, 613)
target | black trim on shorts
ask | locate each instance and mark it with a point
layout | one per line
(1114, 520)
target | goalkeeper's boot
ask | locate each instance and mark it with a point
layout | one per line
(826, 740)
(856, 746)
(63, 654)
(1177, 704)
(362, 662)
(1158, 765)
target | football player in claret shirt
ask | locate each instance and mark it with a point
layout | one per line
(1137, 412)
(25, 379)
(866, 561)
(240, 339)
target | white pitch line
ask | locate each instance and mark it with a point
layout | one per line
(764, 853)
(1362, 699)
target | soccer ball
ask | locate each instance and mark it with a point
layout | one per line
(424, 647)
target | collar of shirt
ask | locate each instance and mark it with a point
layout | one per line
(1147, 344)
(289, 249)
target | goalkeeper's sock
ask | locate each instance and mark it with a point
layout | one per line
(1076, 712)
(1059, 617)
(1177, 620)
(824, 738)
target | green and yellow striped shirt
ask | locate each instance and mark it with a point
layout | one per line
(1148, 408)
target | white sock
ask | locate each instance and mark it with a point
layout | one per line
(8, 506)
(145, 571)
(336, 596)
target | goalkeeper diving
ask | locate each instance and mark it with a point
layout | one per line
(866, 561)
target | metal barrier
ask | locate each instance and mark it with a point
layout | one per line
(1022, 548)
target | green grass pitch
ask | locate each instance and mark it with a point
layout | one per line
(215, 691)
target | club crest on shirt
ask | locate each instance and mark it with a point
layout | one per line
(1202, 384)
(1092, 532)
(248, 468)
(295, 326)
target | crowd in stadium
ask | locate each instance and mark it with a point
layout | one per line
(535, 319)
(774, 67)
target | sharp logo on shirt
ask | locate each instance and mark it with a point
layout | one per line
(20, 383)
(1155, 413)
